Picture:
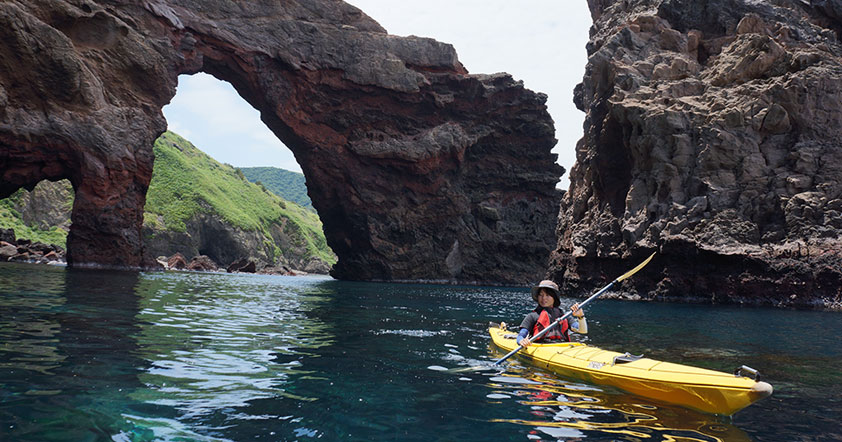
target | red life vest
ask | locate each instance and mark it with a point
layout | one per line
(558, 333)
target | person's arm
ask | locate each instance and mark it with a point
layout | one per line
(521, 336)
(578, 324)
(526, 325)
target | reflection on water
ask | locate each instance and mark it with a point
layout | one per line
(54, 386)
(93, 355)
(571, 410)
(218, 342)
(30, 341)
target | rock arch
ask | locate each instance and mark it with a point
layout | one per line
(418, 169)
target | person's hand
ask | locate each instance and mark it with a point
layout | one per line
(577, 312)
(525, 342)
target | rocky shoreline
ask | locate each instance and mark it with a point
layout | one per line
(26, 251)
(711, 136)
(203, 263)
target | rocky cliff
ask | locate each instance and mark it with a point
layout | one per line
(47, 206)
(195, 206)
(211, 236)
(712, 135)
(417, 169)
(34, 224)
(46, 209)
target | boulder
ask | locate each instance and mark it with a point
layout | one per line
(21, 257)
(202, 263)
(7, 250)
(278, 270)
(7, 235)
(177, 262)
(244, 265)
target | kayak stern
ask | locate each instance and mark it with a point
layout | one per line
(698, 388)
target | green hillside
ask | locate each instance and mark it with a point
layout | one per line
(12, 214)
(186, 182)
(284, 183)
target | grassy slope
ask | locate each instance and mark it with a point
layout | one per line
(10, 218)
(284, 183)
(186, 181)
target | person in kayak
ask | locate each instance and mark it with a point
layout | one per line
(546, 295)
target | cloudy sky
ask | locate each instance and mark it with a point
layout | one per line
(541, 42)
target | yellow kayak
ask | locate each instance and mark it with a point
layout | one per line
(698, 388)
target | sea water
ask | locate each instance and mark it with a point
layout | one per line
(91, 355)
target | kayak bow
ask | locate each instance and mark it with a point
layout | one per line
(698, 388)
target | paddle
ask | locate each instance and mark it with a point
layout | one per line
(581, 305)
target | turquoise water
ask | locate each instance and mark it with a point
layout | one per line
(93, 355)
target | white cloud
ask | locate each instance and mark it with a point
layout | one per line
(217, 103)
(211, 114)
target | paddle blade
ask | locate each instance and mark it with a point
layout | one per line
(635, 270)
(464, 369)
(489, 367)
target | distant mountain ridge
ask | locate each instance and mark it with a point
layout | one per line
(198, 206)
(288, 185)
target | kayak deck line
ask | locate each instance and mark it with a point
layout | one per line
(585, 352)
(703, 389)
(590, 351)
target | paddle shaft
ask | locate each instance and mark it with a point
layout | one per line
(556, 322)
(566, 315)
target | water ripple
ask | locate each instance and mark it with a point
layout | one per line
(215, 357)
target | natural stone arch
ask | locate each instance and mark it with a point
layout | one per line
(418, 170)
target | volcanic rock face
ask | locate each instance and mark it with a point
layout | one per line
(713, 135)
(418, 170)
(210, 235)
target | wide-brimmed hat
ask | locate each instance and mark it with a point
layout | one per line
(549, 285)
